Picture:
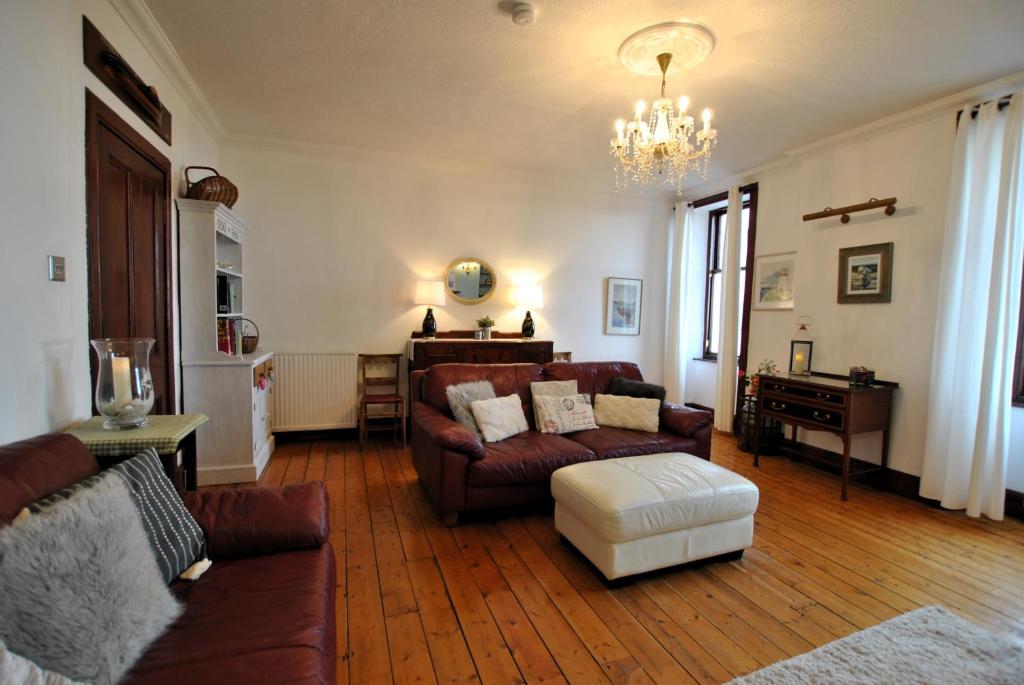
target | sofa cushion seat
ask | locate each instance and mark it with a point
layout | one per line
(529, 457)
(607, 442)
(248, 618)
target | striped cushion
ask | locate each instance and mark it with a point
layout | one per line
(175, 537)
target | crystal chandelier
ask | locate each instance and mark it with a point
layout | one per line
(665, 146)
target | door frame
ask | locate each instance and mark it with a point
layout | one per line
(98, 115)
(748, 289)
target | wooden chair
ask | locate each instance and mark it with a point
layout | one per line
(371, 397)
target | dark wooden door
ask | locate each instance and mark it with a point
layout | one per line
(128, 188)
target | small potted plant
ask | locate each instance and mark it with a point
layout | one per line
(485, 325)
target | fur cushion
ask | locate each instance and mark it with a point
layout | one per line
(175, 537)
(500, 418)
(460, 396)
(628, 388)
(566, 414)
(82, 594)
(635, 413)
(19, 670)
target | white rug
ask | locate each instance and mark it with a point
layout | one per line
(928, 645)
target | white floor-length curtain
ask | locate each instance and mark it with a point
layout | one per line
(729, 316)
(677, 330)
(967, 439)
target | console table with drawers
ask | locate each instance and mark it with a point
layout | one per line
(829, 403)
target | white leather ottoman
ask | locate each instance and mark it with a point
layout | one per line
(637, 514)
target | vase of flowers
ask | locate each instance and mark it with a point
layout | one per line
(485, 324)
(752, 382)
(766, 432)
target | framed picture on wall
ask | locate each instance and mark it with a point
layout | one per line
(774, 284)
(624, 300)
(865, 274)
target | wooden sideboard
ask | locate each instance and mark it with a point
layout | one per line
(425, 353)
(827, 403)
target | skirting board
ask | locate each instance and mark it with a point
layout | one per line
(243, 473)
(909, 486)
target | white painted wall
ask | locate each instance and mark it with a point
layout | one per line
(1015, 471)
(338, 239)
(913, 164)
(44, 345)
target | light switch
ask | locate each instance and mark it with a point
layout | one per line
(56, 267)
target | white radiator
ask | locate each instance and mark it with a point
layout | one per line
(315, 390)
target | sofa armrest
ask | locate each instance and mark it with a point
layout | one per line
(684, 421)
(447, 432)
(245, 522)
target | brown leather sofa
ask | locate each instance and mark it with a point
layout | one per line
(263, 613)
(461, 473)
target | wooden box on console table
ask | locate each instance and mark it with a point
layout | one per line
(829, 403)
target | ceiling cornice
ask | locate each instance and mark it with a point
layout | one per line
(145, 27)
(946, 105)
(942, 106)
(720, 183)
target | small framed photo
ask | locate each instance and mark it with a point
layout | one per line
(774, 281)
(865, 274)
(624, 300)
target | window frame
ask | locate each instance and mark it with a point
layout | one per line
(713, 252)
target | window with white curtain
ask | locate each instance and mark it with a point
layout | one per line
(717, 221)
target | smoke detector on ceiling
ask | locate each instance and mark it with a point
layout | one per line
(523, 14)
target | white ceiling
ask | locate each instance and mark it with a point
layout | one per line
(457, 79)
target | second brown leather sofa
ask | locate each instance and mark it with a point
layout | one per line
(461, 473)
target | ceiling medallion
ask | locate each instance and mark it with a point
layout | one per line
(665, 146)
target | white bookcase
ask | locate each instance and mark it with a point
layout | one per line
(236, 444)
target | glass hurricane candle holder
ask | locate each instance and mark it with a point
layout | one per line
(124, 386)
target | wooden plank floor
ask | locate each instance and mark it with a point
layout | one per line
(504, 601)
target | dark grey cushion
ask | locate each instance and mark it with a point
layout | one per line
(175, 537)
(629, 388)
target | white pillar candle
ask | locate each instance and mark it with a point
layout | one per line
(798, 362)
(121, 368)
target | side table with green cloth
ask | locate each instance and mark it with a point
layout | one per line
(165, 433)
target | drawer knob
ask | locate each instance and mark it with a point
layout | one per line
(823, 396)
(778, 405)
(822, 417)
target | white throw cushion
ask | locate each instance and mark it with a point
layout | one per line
(500, 418)
(550, 389)
(618, 411)
(18, 669)
(566, 414)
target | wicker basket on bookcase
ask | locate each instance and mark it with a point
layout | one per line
(214, 188)
(250, 342)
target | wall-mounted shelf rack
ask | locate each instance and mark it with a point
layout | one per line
(844, 212)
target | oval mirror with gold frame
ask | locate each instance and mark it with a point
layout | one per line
(470, 280)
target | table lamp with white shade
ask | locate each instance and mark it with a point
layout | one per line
(529, 296)
(431, 294)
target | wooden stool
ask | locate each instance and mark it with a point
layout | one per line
(369, 397)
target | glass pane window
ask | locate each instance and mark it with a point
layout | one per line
(717, 225)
